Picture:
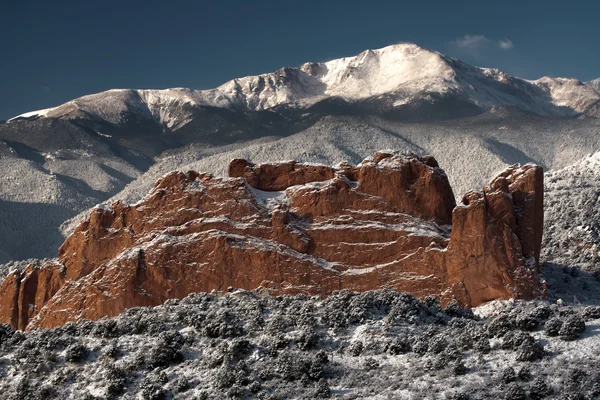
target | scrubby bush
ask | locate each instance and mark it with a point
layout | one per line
(552, 326)
(307, 340)
(152, 391)
(527, 321)
(591, 312)
(399, 346)
(167, 349)
(116, 380)
(572, 327)
(524, 374)
(370, 364)
(322, 390)
(459, 368)
(530, 351)
(539, 389)
(356, 348)
(223, 324)
(76, 352)
(250, 346)
(437, 344)
(420, 345)
(112, 350)
(515, 392)
(499, 326)
(508, 375)
(512, 340)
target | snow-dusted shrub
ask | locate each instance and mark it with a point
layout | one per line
(322, 390)
(238, 349)
(6, 333)
(405, 308)
(539, 389)
(23, 389)
(499, 326)
(111, 350)
(279, 323)
(106, 328)
(450, 354)
(508, 375)
(312, 368)
(433, 302)
(370, 364)
(591, 312)
(167, 349)
(454, 309)
(542, 312)
(307, 339)
(356, 348)
(116, 380)
(76, 352)
(514, 391)
(482, 345)
(552, 326)
(459, 368)
(182, 384)
(420, 345)
(513, 339)
(152, 391)
(527, 321)
(223, 324)
(524, 374)
(572, 328)
(46, 392)
(399, 345)
(530, 351)
(458, 395)
(437, 344)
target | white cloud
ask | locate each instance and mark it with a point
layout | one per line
(473, 42)
(505, 44)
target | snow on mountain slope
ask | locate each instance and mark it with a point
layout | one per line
(470, 150)
(570, 93)
(595, 84)
(395, 75)
(573, 214)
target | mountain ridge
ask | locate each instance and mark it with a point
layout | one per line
(402, 74)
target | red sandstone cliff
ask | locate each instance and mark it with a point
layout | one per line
(293, 228)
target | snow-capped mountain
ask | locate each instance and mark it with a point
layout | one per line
(594, 84)
(56, 163)
(384, 80)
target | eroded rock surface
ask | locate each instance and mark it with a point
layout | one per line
(389, 222)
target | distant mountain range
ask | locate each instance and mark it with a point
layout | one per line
(58, 162)
(391, 81)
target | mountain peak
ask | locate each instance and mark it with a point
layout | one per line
(595, 83)
(399, 75)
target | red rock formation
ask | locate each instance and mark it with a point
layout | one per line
(382, 224)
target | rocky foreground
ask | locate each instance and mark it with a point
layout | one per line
(389, 222)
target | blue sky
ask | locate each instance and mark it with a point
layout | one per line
(56, 51)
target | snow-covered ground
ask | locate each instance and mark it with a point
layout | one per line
(375, 345)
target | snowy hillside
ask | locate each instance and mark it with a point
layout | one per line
(376, 345)
(471, 150)
(392, 77)
(573, 214)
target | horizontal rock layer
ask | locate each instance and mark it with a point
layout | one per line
(389, 222)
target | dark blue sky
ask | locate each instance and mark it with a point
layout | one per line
(55, 51)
